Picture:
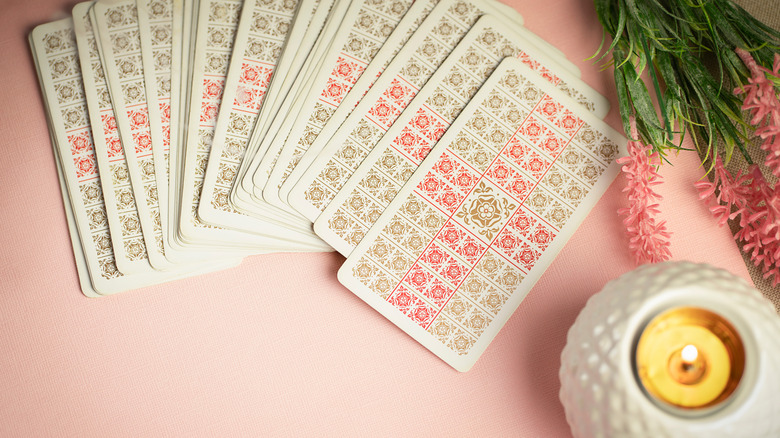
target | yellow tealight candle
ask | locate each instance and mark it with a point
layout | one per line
(690, 358)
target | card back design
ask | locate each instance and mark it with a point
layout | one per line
(396, 156)
(218, 23)
(155, 23)
(408, 25)
(307, 26)
(256, 53)
(60, 74)
(118, 35)
(488, 210)
(368, 24)
(381, 106)
(122, 213)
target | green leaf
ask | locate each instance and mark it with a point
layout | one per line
(624, 101)
(640, 98)
(657, 88)
(675, 41)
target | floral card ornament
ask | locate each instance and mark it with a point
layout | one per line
(715, 74)
(486, 211)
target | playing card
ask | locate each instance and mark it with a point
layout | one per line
(366, 26)
(56, 55)
(218, 22)
(452, 20)
(278, 128)
(157, 20)
(486, 213)
(155, 25)
(306, 26)
(379, 108)
(56, 58)
(262, 32)
(121, 210)
(407, 26)
(180, 75)
(116, 29)
(296, 57)
(395, 157)
(411, 18)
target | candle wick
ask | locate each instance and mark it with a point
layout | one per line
(689, 355)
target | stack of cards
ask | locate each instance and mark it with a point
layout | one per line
(440, 146)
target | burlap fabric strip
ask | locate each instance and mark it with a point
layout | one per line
(769, 13)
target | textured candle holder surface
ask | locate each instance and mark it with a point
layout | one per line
(600, 391)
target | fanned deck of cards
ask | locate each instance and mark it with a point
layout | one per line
(444, 149)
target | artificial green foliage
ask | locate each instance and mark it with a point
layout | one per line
(687, 48)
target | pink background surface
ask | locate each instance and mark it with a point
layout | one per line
(277, 346)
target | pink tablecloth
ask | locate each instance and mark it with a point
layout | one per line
(277, 346)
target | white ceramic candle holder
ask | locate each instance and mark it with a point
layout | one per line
(600, 390)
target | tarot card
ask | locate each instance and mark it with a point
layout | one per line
(298, 50)
(54, 46)
(403, 31)
(56, 58)
(396, 156)
(262, 32)
(183, 53)
(134, 281)
(269, 148)
(212, 31)
(380, 107)
(306, 26)
(155, 25)
(254, 181)
(218, 22)
(121, 211)
(180, 80)
(160, 47)
(115, 23)
(491, 206)
(366, 26)
(78, 251)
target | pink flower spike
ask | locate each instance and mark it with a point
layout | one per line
(706, 189)
(648, 240)
(750, 198)
(764, 107)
